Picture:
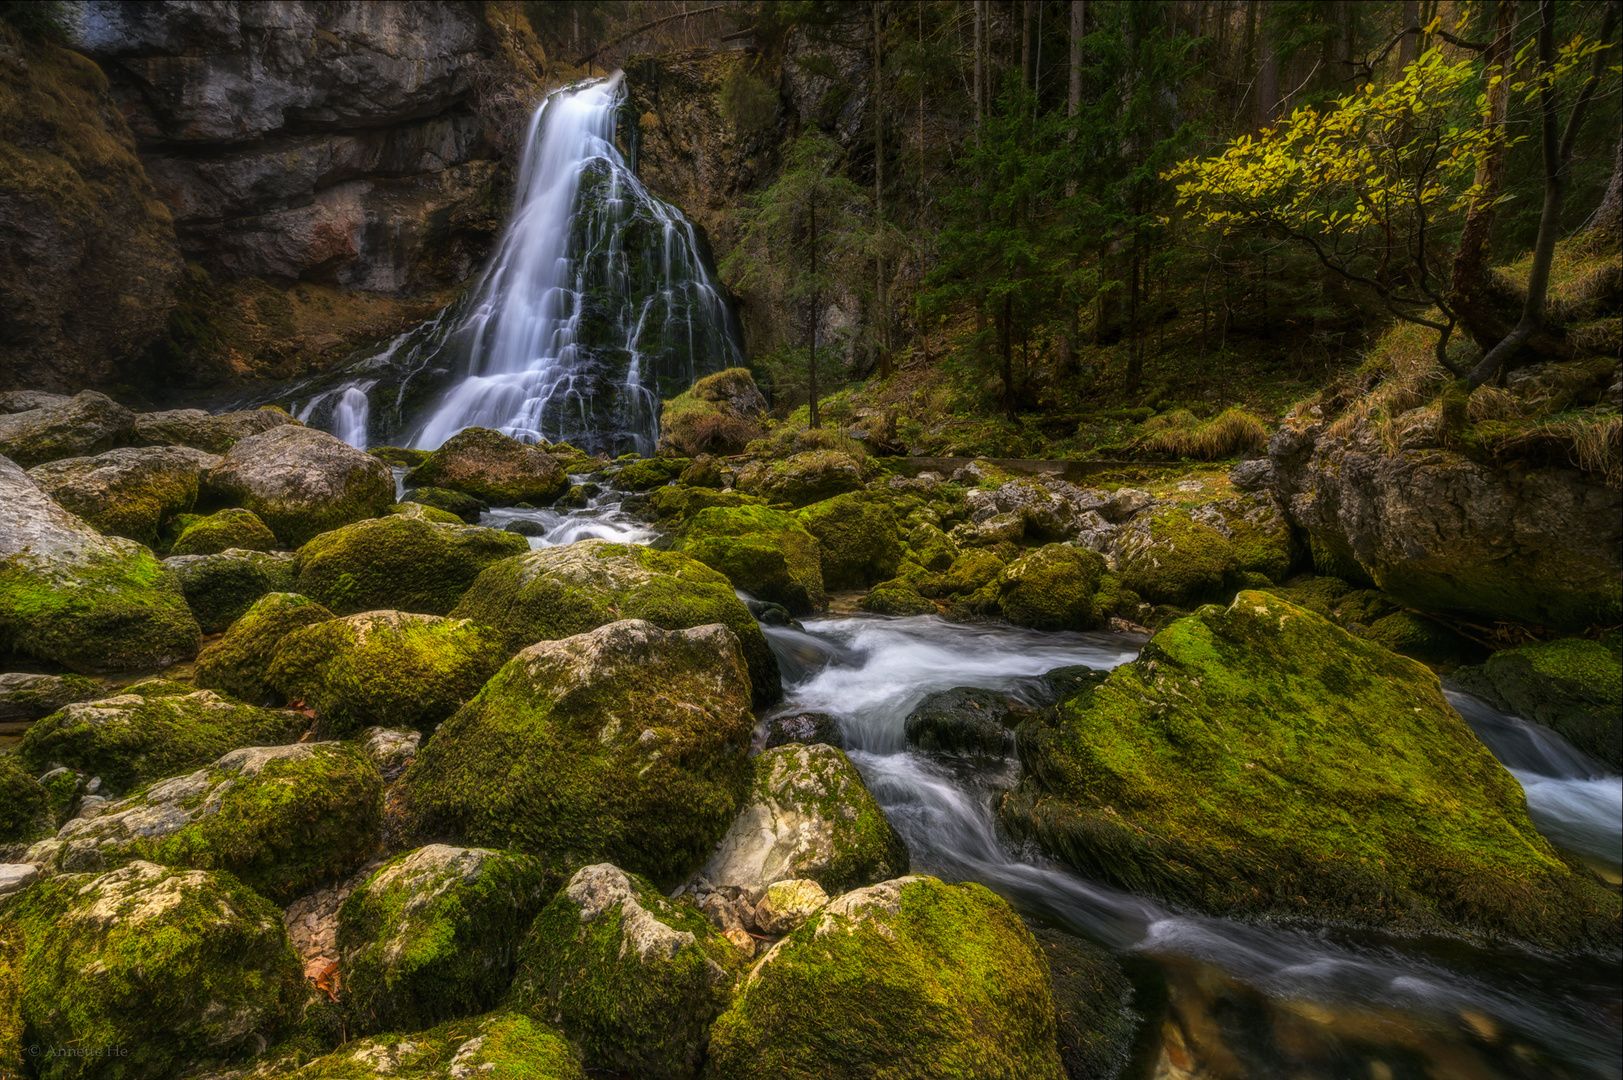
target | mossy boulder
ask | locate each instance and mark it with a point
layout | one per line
(214, 433)
(1181, 555)
(1572, 685)
(301, 482)
(632, 978)
(230, 528)
(500, 1046)
(1259, 760)
(28, 815)
(808, 816)
(718, 414)
(907, 978)
(83, 426)
(12, 1055)
(491, 466)
(967, 573)
(965, 720)
(560, 591)
(896, 597)
(27, 696)
(128, 492)
(399, 456)
(221, 588)
(419, 512)
(391, 668)
(804, 727)
(1419, 638)
(1092, 1005)
(163, 966)
(675, 504)
(1052, 588)
(399, 562)
(282, 819)
(857, 537)
(135, 737)
(80, 599)
(646, 474)
(434, 935)
(239, 663)
(804, 478)
(931, 548)
(764, 552)
(466, 507)
(626, 743)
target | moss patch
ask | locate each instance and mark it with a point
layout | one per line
(491, 466)
(764, 552)
(233, 528)
(500, 1046)
(399, 563)
(1052, 588)
(1571, 685)
(858, 538)
(239, 663)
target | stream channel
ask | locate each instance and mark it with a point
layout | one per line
(1217, 998)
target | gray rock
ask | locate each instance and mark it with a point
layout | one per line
(301, 482)
(15, 877)
(1048, 515)
(16, 401)
(130, 492)
(1253, 475)
(966, 720)
(86, 424)
(202, 431)
(788, 904)
(1124, 503)
(26, 696)
(995, 528)
(805, 727)
(393, 751)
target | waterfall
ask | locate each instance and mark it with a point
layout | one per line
(595, 304)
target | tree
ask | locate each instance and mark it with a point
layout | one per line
(821, 216)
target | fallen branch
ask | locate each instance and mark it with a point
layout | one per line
(644, 28)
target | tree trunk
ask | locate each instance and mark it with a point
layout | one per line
(1027, 11)
(1073, 98)
(879, 190)
(816, 421)
(980, 34)
(1135, 356)
(1006, 333)
(1411, 33)
(1607, 226)
(1267, 103)
(1248, 51)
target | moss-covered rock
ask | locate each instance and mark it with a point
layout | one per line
(802, 479)
(214, 433)
(221, 588)
(718, 414)
(1180, 555)
(128, 492)
(965, 720)
(434, 935)
(500, 1046)
(12, 1054)
(28, 815)
(1423, 639)
(1052, 588)
(559, 591)
(73, 596)
(1258, 759)
(967, 573)
(163, 967)
(282, 819)
(384, 667)
(804, 727)
(401, 563)
(624, 743)
(857, 537)
(1572, 685)
(467, 508)
(239, 663)
(27, 696)
(675, 504)
(764, 552)
(931, 548)
(400, 456)
(645, 474)
(134, 738)
(896, 597)
(491, 466)
(419, 512)
(87, 424)
(630, 977)
(231, 528)
(908, 978)
(301, 482)
(1092, 1005)
(808, 816)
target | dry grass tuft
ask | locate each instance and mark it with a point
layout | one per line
(1179, 434)
(1590, 441)
(1489, 403)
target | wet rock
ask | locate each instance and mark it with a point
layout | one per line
(966, 720)
(786, 905)
(233, 528)
(392, 751)
(647, 474)
(301, 482)
(1052, 588)
(493, 467)
(1092, 1005)
(87, 601)
(648, 727)
(434, 935)
(764, 552)
(718, 414)
(806, 727)
(202, 431)
(857, 538)
(400, 563)
(1259, 760)
(384, 667)
(87, 424)
(556, 592)
(896, 597)
(802, 479)
(127, 492)
(281, 819)
(523, 527)
(1571, 685)
(935, 980)
(169, 966)
(221, 588)
(808, 816)
(630, 977)
(464, 506)
(239, 663)
(26, 696)
(148, 731)
(1423, 639)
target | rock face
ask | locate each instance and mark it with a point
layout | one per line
(88, 260)
(434, 935)
(808, 816)
(1439, 531)
(147, 733)
(626, 743)
(301, 482)
(86, 424)
(170, 966)
(1259, 759)
(281, 819)
(1571, 685)
(68, 594)
(334, 144)
(239, 663)
(764, 552)
(555, 592)
(491, 466)
(384, 667)
(907, 978)
(400, 562)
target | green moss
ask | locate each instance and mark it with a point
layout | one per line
(491, 466)
(1423, 639)
(434, 935)
(1052, 588)
(645, 474)
(557, 592)
(764, 552)
(858, 538)
(676, 504)
(233, 528)
(128, 493)
(384, 668)
(28, 806)
(221, 588)
(420, 512)
(239, 663)
(459, 505)
(932, 548)
(163, 967)
(1572, 685)
(399, 563)
(913, 978)
(131, 739)
(1185, 557)
(896, 597)
(399, 456)
(1091, 1005)
(12, 1043)
(634, 997)
(805, 478)
(970, 571)
(1260, 760)
(501, 1046)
